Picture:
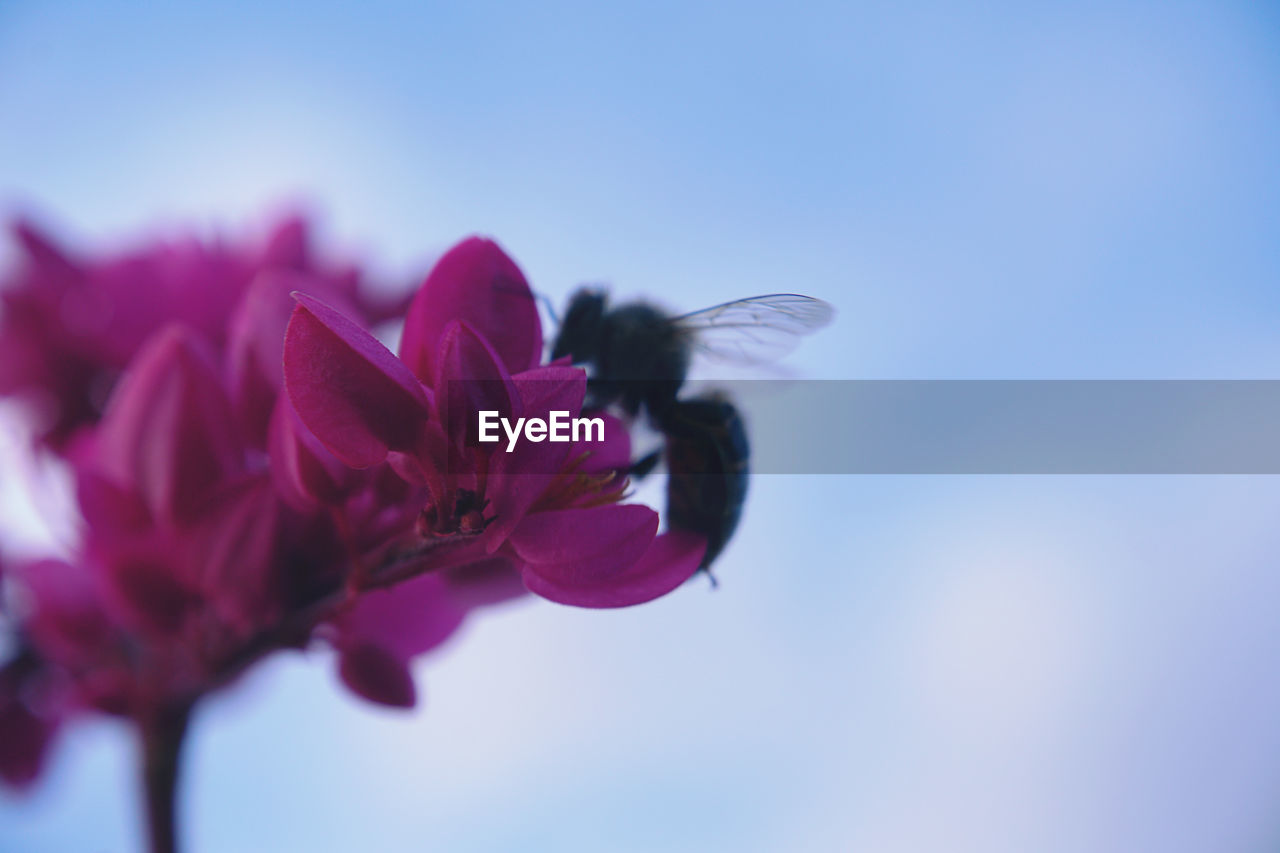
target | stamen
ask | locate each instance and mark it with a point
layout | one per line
(570, 488)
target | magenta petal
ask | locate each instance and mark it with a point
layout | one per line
(255, 344)
(168, 432)
(42, 251)
(434, 461)
(475, 282)
(377, 676)
(405, 620)
(256, 341)
(185, 281)
(612, 454)
(409, 467)
(517, 479)
(66, 617)
(389, 627)
(237, 569)
(289, 244)
(304, 471)
(149, 594)
(109, 507)
(358, 398)
(671, 560)
(551, 388)
(584, 546)
(470, 379)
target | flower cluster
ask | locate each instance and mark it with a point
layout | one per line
(256, 471)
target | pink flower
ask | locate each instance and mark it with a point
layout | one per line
(225, 519)
(472, 343)
(198, 549)
(71, 323)
(186, 542)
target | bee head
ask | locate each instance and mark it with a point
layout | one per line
(579, 334)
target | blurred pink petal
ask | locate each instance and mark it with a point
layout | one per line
(304, 470)
(387, 628)
(372, 673)
(26, 733)
(168, 431)
(238, 548)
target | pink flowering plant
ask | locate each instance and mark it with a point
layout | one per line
(256, 471)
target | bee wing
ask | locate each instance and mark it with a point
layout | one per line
(755, 330)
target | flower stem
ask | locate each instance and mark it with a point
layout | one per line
(162, 734)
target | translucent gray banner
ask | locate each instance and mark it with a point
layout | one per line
(972, 427)
(1011, 427)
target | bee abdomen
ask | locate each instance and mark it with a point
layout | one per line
(707, 457)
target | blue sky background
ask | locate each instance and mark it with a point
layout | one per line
(1083, 190)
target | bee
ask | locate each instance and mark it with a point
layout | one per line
(639, 357)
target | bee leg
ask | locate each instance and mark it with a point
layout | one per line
(600, 393)
(715, 584)
(548, 306)
(644, 466)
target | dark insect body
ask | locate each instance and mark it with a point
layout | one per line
(640, 356)
(707, 455)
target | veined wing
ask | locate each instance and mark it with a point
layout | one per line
(755, 330)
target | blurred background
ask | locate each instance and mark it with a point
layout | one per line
(1061, 190)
